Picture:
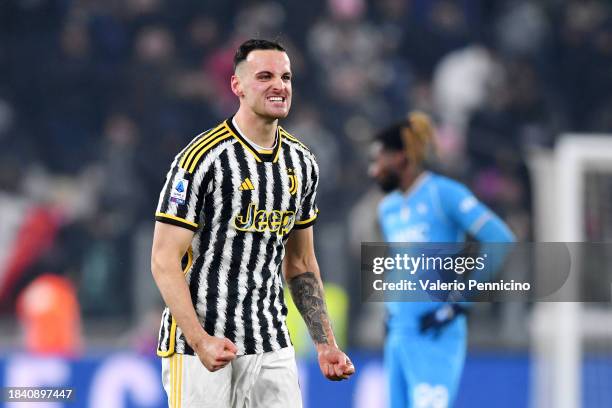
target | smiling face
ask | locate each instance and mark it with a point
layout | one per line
(263, 83)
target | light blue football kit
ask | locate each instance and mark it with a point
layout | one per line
(424, 370)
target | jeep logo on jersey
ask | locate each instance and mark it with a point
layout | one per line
(277, 221)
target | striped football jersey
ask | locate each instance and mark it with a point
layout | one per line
(241, 203)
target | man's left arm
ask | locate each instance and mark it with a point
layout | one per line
(494, 236)
(304, 279)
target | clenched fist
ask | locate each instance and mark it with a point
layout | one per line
(214, 352)
(334, 364)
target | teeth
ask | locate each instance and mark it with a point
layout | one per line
(276, 99)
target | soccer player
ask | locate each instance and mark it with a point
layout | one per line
(238, 207)
(426, 342)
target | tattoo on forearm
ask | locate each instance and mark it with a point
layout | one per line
(308, 297)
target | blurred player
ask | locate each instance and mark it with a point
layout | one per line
(239, 203)
(426, 342)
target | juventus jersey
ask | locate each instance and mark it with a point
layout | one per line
(242, 204)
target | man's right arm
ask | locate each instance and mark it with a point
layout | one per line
(170, 243)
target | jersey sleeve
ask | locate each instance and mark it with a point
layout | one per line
(182, 197)
(462, 207)
(308, 211)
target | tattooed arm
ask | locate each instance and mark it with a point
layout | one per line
(308, 297)
(303, 277)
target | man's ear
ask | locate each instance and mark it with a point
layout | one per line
(236, 86)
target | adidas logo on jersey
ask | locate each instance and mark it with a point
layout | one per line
(246, 185)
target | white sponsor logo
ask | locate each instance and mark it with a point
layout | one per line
(416, 233)
(468, 204)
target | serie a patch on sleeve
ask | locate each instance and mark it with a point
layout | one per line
(179, 190)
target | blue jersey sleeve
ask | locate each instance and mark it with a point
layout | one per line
(471, 215)
(463, 208)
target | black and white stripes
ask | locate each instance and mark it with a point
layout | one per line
(235, 278)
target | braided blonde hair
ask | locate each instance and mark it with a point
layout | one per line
(418, 137)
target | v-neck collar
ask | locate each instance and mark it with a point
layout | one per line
(261, 156)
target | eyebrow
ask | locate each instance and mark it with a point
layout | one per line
(269, 72)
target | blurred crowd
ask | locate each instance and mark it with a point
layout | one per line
(97, 97)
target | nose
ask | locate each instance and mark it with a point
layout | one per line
(279, 84)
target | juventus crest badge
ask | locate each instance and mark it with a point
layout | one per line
(293, 182)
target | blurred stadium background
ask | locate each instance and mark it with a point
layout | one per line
(97, 96)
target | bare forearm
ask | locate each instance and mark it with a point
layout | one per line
(173, 287)
(307, 293)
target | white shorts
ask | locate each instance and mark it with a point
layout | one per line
(267, 380)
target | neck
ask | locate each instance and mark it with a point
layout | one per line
(258, 129)
(409, 177)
